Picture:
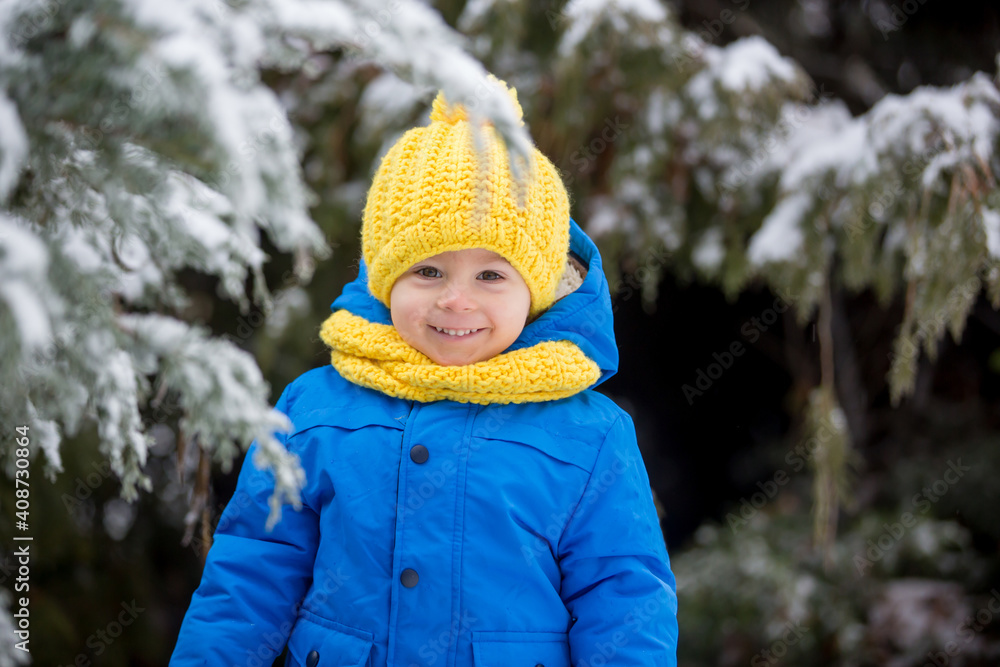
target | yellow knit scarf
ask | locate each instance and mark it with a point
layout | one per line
(374, 355)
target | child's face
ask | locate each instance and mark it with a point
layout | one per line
(457, 291)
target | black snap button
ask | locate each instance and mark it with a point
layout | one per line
(312, 659)
(409, 577)
(539, 665)
(419, 454)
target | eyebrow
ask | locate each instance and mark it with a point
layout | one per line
(436, 263)
(500, 259)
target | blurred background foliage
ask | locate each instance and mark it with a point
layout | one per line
(754, 586)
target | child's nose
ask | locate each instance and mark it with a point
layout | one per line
(455, 296)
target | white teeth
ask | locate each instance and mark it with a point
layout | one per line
(456, 332)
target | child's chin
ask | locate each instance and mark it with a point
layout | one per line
(456, 353)
(449, 358)
(452, 361)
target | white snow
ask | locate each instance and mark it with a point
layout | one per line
(709, 253)
(9, 655)
(115, 393)
(291, 302)
(780, 238)
(28, 312)
(604, 216)
(219, 51)
(118, 517)
(410, 36)
(119, 261)
(13, 145)
(748, 65)
(223, 395)
(385, 103)
(828, 142)
(752, 62)
(323, 22)
(389, 95)
(662, 111)
(75, 243)
(475, 11)
(966, 113)
(45, 434)
(24, 263)
(225, 251)
(936, 129)
(701, 90)
(582, 16)
(894, 239)
(991, 225)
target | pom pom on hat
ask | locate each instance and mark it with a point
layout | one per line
(434, 192)
(447, 113)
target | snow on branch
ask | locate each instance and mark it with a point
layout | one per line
(221, 391)
(737, 166)
(413, 41)
(584, 17)
(13, 146)
(914, 173)
(902, 196)
(23, 265)
(166, 152)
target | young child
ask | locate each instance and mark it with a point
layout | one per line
(470, 500)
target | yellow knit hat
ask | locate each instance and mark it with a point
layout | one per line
(434, 193)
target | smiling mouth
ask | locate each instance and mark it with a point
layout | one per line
(458, 333)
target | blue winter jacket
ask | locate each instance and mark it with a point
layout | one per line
(445, 533)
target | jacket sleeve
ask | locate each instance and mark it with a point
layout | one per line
(253, 580)
(616, 577)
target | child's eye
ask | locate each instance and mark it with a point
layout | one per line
(428, 272)
(490, 276)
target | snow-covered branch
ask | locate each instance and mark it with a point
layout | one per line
(158, 149)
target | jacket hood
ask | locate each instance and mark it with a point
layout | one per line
(583, 317)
